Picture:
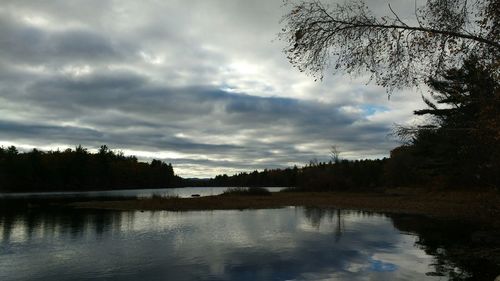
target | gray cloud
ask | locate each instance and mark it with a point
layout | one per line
(202, 85)
(28, 44)
(24, 130)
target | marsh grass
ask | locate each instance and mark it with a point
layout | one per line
(164, 196)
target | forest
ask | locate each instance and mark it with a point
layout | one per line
(78, 169)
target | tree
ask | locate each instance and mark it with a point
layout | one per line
(462, 139)
(12, 150)
(396, 53)
(334, 154)
(465, 93)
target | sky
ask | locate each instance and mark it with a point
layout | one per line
(203, 85)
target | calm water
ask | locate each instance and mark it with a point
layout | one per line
(273, 244)
(141, 193)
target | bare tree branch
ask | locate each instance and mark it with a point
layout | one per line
(349, 37)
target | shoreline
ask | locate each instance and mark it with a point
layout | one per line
(476, 206)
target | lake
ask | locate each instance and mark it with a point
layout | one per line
(292, 243)
(184, 192)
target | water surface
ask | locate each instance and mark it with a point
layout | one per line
(184, 192)
(274, 244)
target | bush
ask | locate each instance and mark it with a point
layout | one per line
(248, 191)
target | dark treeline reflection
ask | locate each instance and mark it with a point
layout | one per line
(78, 169)
(236, 245)
(317, 215)
(449, 242)
(52, 224)
(457, 254)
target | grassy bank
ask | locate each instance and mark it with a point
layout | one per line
(478, 206)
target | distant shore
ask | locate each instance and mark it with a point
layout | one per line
(474, 206)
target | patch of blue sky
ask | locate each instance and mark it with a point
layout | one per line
(381, 266)
(370, 109)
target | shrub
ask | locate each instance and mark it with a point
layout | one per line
(248, 191)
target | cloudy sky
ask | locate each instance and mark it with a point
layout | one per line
(201, 84)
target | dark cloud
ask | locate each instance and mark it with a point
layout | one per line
(12, 130)
(31, 44)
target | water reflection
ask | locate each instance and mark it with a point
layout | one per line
(334, 218)
(277, 244)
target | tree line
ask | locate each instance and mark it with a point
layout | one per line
(79, 169)
(316, 176)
